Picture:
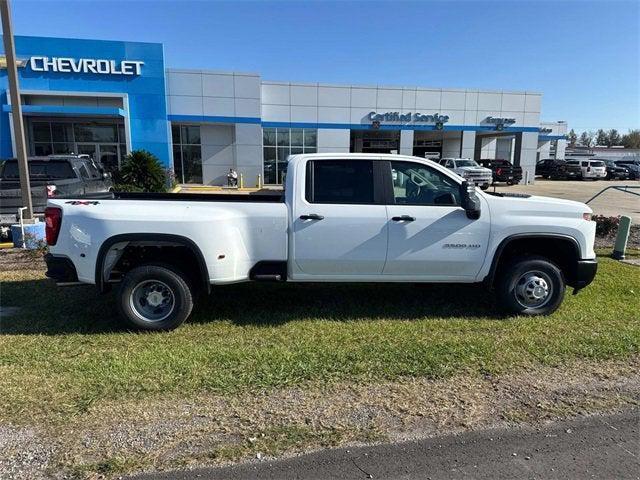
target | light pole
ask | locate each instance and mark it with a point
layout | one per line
(16, 109)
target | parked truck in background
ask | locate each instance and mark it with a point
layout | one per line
(342, 218)
(55, 175)
(469, 170)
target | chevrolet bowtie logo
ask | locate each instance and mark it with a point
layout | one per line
(19, 62)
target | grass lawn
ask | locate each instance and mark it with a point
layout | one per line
(64, 352)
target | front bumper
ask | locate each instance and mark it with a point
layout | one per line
(60, 269)
(585, 273)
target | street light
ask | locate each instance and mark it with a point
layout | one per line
(16, 109)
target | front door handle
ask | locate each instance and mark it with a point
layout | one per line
(403, 218)
(311, 216)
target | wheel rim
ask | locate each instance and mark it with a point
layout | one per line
(533, 289)
(152, 300)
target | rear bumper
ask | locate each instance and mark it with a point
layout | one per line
(60, 269)
(585, 273)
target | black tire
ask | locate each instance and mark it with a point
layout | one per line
(167, 285)
(518, 280)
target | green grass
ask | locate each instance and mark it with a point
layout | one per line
(64, 351)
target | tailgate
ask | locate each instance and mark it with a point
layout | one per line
(11, 199)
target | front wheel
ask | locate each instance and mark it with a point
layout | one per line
(154, 297)
(533, 286)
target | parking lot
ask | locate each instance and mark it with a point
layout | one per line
(610, 203)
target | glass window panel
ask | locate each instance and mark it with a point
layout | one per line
(109, 157)
(122, 138)
(282, 172)
(283, 137)
(177, 164)
(60, 148)
(192, 163)
(296, 150)
(41, 132)
(283, 153)
(175, 134)
(416, 184)
(342, 182)
(62, 132)
(191, 134)
(296, 137)
(42, 149)
(86, 132)
(123, 151)
(269, 155)
(310, 138)
(268, 136)
(310, 150)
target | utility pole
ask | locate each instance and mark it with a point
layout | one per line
(16, 109)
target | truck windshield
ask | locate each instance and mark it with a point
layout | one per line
(39, 169)
(466, 163)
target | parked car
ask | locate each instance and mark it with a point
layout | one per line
(633, 166)
(469, 170)
(557, 169)
(344, 217)
(590, 169)
(615, 171)
(503, 170)
(51, 176)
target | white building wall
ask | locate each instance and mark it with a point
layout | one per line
(451, 147)
(468, 144)
(528, 154)
(406, 142)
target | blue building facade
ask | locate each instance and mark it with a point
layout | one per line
(89, 96)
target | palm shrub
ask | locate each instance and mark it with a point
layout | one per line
(141, 171)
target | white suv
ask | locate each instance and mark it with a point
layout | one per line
(595, 169)
(469, 170)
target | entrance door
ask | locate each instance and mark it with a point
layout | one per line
(340, 226)
(430, 236)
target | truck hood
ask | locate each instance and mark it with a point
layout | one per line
(538, 205)
(474, 169)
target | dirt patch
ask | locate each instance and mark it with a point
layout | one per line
(633, 242)
(20, 259)
(114, 438)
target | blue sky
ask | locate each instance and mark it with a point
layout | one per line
(584, 56)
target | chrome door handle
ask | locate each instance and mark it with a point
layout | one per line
(311, 216)
(403, 218)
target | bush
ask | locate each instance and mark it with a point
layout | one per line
(606, 226)
(141, 172)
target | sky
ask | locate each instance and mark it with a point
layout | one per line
(584, 56)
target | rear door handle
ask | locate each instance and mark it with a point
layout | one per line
(311, 216)
(403, 218)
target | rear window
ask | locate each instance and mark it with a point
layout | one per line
(597, 164)
(39, 169)
(340, 181)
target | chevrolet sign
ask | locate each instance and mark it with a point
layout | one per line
(19, 62)
(85, 65)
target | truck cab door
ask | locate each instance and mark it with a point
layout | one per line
(339, 221)
(430, 236)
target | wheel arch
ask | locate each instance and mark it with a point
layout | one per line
(128, 238)
(563, 250)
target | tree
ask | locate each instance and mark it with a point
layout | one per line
(586, 139)
(613, 138)
(141, 171)
(572, 137)
(601, 137)
(631, 139)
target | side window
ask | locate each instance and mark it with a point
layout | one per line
(450, 164)
(340, 181)
(585, 164)
(93, 170)
(417, 184)
(83, 172)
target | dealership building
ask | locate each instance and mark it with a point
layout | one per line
(106, 98)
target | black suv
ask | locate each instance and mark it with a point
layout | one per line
(614, 171)
(557, 169)
(55, 175)
(503, 170)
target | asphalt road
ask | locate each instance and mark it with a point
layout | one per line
(595, 447)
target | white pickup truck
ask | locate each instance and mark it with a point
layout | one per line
(342, 218)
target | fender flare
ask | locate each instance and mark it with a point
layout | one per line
(489, 279)
(137, 237)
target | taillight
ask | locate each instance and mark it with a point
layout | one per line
(499, 171)
(52, 219)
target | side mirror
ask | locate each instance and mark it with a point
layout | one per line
(470, 200)
(106, 175)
